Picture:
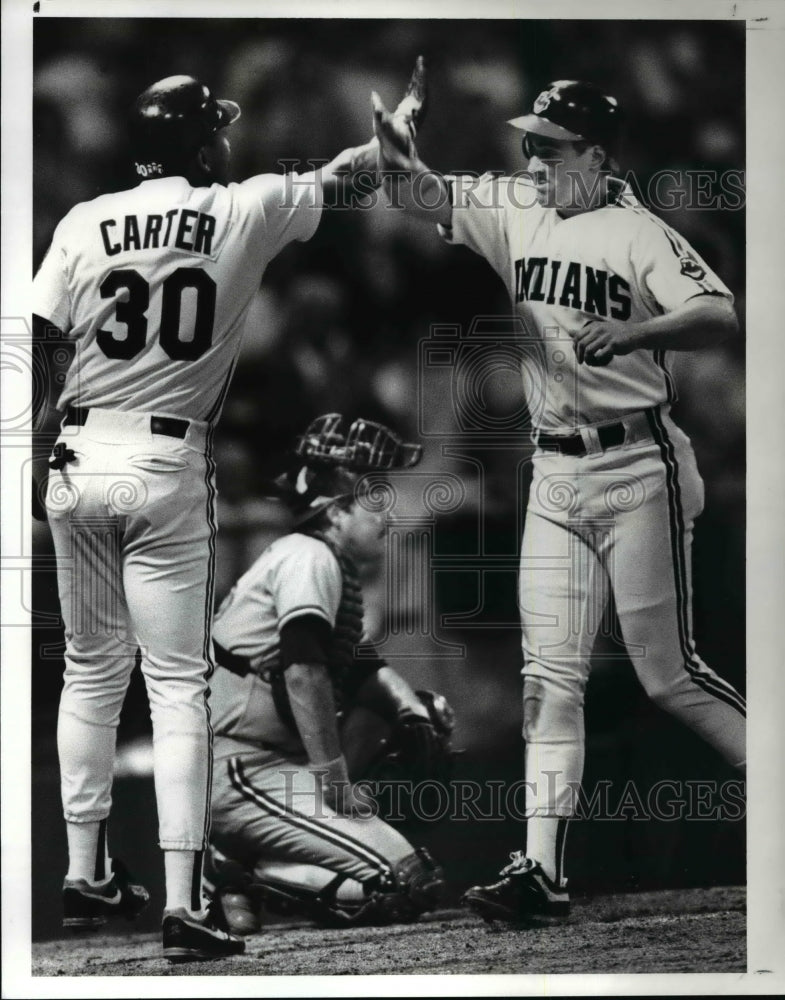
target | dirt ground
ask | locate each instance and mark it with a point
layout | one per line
(695, 930)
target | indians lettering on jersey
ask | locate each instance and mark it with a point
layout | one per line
(569, 283)
(192, 231)
(616, 263)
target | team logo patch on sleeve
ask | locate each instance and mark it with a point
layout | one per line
(690, 268)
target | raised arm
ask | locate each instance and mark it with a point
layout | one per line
(419, 189)
(391, 155)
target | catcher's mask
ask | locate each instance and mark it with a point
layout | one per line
(332, 460)
(365, 447)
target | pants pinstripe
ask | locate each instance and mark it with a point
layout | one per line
(618, 522)
(267, 806)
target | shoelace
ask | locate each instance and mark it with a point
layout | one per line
(519, 864)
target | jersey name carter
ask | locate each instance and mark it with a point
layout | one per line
(146, 283)
(192, 231)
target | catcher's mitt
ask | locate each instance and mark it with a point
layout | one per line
(422, 746)
(418, 759)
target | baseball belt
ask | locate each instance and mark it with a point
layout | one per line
(241, 665)
(170, 426)
(608, 435)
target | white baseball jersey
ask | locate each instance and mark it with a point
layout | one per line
(614, 518)
(296, 575)
(153, 286)
(618, 262)
(147, 283)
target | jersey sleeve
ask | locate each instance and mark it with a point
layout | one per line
(308, 582)
(479, 218)
(669, 271)
(290, 206)
(51, 295)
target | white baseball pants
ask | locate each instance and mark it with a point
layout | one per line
(616, 521)
(133, 522)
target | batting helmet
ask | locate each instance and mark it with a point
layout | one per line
(172, 120)
(572, 110)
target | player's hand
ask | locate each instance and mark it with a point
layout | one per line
(412, 108)
(396, 132)
(599, 340)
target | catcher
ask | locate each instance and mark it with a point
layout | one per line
(300, 710)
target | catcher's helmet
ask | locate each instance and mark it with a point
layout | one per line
(329, 461)
(172, 120)
(572, 110)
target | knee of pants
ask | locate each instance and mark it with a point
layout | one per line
(663, 689)
(552, 710)
(94, 689)
(179, 693)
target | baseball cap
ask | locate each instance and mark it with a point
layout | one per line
(572, 110)
(308, 491)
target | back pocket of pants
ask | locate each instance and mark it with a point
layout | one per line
(158, 463)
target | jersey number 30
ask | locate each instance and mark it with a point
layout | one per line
(132, 312)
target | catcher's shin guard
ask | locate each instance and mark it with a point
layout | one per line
(415, 885)
(421, 879)
(327, 898)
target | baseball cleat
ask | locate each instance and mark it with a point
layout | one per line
(523, 895)
(86, 905)
(187, 939)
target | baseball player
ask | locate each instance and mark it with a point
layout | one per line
(604, 290)
(153, 285)
(297, 714)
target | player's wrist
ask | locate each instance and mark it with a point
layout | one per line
(635, 338)
(364, 158)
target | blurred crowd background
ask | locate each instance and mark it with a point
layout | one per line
(338, 325)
